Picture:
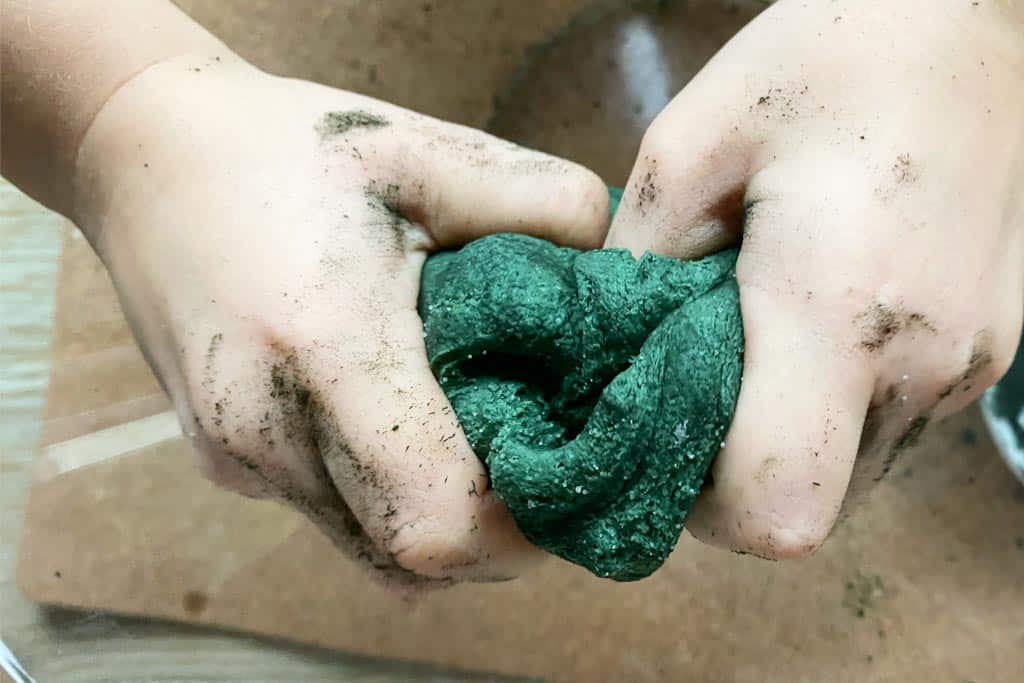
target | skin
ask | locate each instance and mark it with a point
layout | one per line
(878, 189)
(267, 252)
(265, 236)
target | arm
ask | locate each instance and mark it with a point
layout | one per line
(61, 62)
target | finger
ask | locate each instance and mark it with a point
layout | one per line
(684, 196)
(465, 184)
(779, 482)
(394, 449)
(461, 183)
(251, 435)
(247, 439)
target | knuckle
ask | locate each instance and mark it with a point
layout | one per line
(785, 539)
(591, 191)
(659, 140)
(293, 338)
(423, 547)
(585, 206)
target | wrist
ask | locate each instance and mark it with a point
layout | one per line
(154, 135)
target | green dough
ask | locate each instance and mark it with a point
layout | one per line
(597, 388)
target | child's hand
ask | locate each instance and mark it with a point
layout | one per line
(872, 153)
(266, 237)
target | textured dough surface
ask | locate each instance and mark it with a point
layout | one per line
(597, 388)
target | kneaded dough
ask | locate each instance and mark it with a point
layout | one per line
(597, 388)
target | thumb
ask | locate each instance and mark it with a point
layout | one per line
(392, 446)
(472, 184)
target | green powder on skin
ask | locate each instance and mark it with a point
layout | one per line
(341, 122)
(596, 387)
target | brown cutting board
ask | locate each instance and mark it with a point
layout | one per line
(926, 584)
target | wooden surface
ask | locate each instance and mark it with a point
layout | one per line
(30, 239)
(925, 585)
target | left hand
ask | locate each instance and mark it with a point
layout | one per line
(266, 237)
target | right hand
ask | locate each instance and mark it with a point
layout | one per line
(878, 189)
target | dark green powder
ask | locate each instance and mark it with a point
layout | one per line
(341, 122)
(596, 387)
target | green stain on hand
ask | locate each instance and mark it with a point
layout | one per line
(596, 387)
(341, 122)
